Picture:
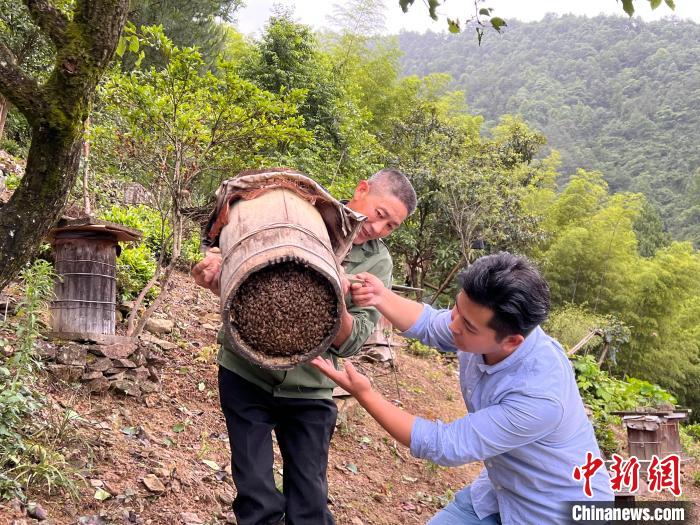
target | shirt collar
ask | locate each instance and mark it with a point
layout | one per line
(518, 355)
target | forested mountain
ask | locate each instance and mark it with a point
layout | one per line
(610, 94)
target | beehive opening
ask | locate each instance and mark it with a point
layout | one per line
(284, 309)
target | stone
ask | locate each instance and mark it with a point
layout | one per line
(159, 326)
(36, 511)
(66, 373)
(153, 484)
(230, 519)
(126, 387)
(89, 376)
(153, 374)
(226, 498)
(139, 374)
(356, 521)
(72, 354)
(96, 483)
(208, 326)
(98, 385)
(161, 343)
(140, 357)
(162, 472)
(114, 351)
(116, 377)
(149, 387)
(123, 363)
(100, 364)
(46, 352)
(190, 518)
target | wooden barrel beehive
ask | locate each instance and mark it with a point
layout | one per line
(86, 292)
(85, 252)
(279, 274)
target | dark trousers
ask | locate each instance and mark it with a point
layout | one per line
(303, 427)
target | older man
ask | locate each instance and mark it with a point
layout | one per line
(297, 404)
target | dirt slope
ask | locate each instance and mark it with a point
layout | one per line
(170, 434)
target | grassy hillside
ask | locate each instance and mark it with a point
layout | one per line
(610, 94)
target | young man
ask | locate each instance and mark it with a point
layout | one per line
(526, 420)
(297, 404)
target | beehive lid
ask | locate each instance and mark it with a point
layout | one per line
(89, 224)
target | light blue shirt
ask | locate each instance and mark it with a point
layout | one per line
(526, 421)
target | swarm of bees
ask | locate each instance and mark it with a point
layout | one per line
(284, 309)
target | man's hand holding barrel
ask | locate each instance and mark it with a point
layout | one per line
(206, 272)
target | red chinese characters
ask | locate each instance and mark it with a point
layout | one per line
(624, 474)
(665, 474)
(586, 472)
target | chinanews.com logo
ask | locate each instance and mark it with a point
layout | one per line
(660, 474)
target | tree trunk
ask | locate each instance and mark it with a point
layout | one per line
(56, 112)
(4, 107)
(446, 282)
(177, 249)
(35, 206)
(86, 172)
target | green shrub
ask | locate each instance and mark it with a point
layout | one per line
(605, 394)
(135, 267)
(156, 233)
(13, 148)
(191, 251)
(12, 181)
(418, 349)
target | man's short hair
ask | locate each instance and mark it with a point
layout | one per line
(390, 180)
(512, 288)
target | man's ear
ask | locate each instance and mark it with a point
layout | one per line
(511, 342)
(362, 189)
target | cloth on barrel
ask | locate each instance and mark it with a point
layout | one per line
(341, 222)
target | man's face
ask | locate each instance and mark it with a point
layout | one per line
(472, 333)
(384, 212)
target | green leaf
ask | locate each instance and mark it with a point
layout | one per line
(628, 7)
(432, 6)
(352, 468)
(498, 23)
(121, 46)
(655, 3)
(179, 427)
(212, 464)
(486, 11)
(671, 3)
(102, 495)
(134, 44)
(453, 25)
(405, 5)
(130, 431)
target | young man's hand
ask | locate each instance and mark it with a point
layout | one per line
(370, 292)
(206, 272)
(349, 379)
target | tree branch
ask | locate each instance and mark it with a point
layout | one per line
(20, 88)
(51, 21)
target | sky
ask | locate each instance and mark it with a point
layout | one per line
(252, 18)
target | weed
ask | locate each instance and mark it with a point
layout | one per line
(420, 350)
(28, 457)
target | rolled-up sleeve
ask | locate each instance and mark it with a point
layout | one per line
(365, 318)
(515, 421)
(432, 328)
